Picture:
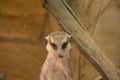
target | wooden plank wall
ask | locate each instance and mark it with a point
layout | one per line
(23, 25)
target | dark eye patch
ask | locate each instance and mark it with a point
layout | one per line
(54, 46)
(64, 45)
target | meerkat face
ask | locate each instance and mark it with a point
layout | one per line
(58, 44)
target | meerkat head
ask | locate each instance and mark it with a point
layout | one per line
(58, 44)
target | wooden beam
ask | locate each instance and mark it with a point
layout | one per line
(91, 51)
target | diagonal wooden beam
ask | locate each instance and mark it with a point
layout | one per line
(91, 51)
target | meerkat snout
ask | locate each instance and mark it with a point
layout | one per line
(60, 56)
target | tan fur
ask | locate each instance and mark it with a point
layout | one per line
(56, 68)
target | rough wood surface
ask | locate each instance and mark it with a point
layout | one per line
(90, 50)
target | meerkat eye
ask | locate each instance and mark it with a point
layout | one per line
(54, 46)
(64, 45)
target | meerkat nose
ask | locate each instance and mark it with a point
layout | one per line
(60, 56)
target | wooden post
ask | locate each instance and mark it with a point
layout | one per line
(85, 43)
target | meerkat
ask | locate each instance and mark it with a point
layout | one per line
(57, 65)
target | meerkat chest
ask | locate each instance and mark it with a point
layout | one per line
(59, 65)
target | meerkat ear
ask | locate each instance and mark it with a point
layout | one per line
(46, 40)
(69, 38)
(47, 37)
